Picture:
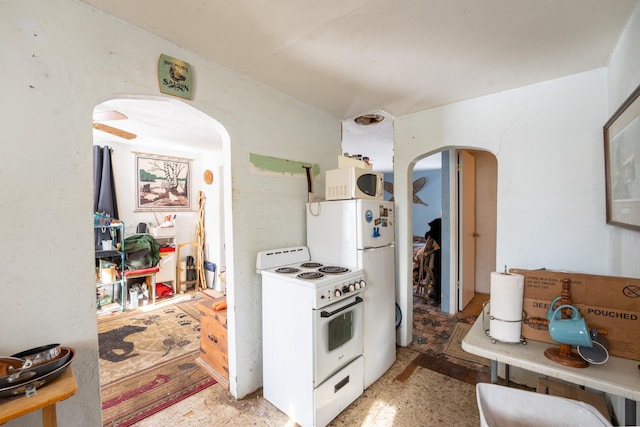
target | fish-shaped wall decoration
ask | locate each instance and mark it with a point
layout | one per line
(418, 184)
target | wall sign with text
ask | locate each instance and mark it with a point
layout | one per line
(175, 77)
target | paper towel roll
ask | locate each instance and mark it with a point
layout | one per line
(507, 292)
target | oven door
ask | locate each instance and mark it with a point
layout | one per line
(337, 336)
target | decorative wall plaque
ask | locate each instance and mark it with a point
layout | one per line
(174, 77)
(208, 177)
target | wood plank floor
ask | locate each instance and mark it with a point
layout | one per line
(475, 306)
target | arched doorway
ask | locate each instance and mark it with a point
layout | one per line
(160, 126)
(459, 233)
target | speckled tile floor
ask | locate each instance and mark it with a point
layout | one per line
(406, 395)
(426, 398)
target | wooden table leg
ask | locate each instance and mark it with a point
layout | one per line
(49, 418)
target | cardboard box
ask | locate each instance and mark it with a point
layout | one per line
(555, 388)
(107, 271)
(611, 304)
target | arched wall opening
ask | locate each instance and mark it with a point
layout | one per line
(453, 243)
(169, 128)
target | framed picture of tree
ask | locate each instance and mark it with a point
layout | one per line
(162, 183)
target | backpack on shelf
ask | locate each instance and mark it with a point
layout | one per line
(141, 251)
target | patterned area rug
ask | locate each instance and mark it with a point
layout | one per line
(432, 328)
(147, 361)
(432, 331)
(454, 345)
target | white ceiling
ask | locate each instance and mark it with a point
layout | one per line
(352, 57)
(160, 123)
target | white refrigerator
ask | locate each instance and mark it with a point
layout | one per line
(359, 233)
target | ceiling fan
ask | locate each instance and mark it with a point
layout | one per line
(109, 115)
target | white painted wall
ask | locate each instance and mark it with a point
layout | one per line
(547, 139)
(548, 142)
(62, 58)
(622, 78)
(214, 209)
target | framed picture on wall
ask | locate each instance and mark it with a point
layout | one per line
(162, 183)
(622, 164)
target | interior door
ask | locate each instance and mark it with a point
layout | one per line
(467, 215)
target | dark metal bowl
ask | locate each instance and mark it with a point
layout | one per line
(38, 355)
(9, 365)
(43, 377)
(23, 374)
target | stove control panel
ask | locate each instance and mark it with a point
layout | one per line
(338, 291)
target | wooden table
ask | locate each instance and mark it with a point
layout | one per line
(45, 398)
(618, 376)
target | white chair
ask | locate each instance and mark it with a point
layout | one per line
(504, 406)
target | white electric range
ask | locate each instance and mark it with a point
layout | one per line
(312, 334)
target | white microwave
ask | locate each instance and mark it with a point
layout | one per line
(354, 183)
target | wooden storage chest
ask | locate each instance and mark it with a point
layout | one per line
(214, 355)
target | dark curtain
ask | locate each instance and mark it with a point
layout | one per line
(104, 189)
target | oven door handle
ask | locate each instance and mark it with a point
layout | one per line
(329, 314)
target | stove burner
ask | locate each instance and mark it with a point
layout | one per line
(287, 270)
(333, 269)
(311, 265)
(310, 275)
